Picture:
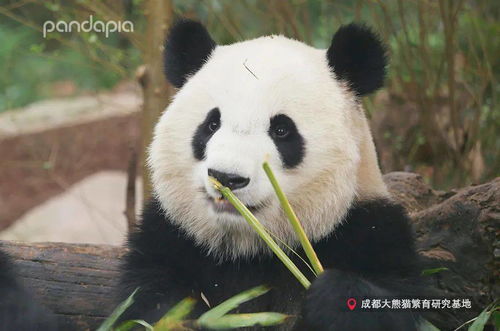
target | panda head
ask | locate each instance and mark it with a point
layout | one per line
(274, 99)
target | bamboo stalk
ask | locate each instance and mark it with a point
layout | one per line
(254, 223)
(292, 217)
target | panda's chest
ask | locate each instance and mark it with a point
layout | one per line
(220, 282)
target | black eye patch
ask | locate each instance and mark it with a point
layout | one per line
(204, 132)
(288, 141)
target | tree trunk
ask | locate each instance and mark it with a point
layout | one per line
(156, 91)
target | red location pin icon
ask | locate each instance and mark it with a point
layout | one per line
(351, 303)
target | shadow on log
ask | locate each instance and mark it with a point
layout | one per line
(458, 230)
(74, 280)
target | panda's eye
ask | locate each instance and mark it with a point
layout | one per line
(213, 125)
(281, 131)
(287, 139)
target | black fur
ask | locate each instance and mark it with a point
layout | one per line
(357, 56)
(371, 253)
(375, 239)
(204, 132)
(325, 306)
(291, 146)
(18, 310)
(187, 48)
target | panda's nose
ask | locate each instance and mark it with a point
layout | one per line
(233, 181)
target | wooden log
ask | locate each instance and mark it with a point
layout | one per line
(412, 192)
(75, 281)
(463, 234)
(458, 230)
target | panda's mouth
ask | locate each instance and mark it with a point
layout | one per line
(222, 205)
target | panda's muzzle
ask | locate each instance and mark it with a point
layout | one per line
(221, 205)
(232, 181)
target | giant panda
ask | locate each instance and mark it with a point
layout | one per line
(298, 107)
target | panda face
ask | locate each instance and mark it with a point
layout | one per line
(271, 99)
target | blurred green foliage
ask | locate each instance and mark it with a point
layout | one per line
(28, 70)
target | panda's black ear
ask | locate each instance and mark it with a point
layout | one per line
(358, 56)
(187, 47)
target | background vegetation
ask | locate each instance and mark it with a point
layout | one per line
(439, 115)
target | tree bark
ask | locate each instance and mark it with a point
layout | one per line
(156, 91)
(458, 230)
(75, 281)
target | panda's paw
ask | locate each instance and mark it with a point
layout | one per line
(326, 305)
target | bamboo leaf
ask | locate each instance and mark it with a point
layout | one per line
(481, 320)
(111, 320)
(496, 319)
(233, 321)
(175, 315)
(428, 272)
(425, 325)
(128, 325)
(232, 303)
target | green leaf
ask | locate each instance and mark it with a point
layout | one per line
(37, 48)
(128, 325)
(233, 321)
(232, 303)
(47, 165)
(481, 320)
(92, 38)
(52, 6)
(428, 272)
(175, 314)
(108, 323)
(425, 325)
(496, 319)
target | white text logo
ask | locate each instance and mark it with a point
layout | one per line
(88, 26)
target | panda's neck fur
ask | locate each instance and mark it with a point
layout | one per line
(370, 184)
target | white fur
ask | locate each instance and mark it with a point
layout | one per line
(250, 82)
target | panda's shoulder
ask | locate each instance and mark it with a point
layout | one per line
(381, 217)
(376, 236)
(156, 236)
